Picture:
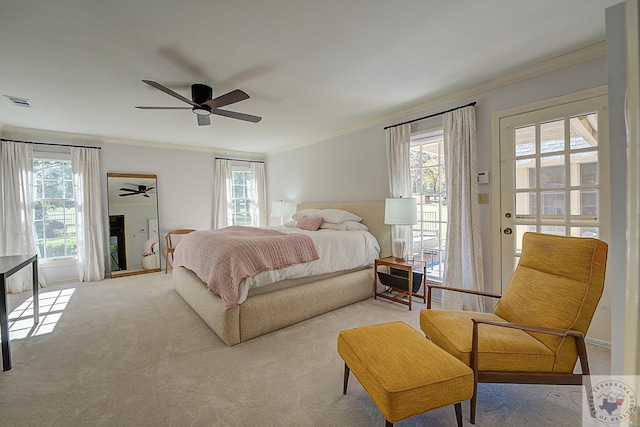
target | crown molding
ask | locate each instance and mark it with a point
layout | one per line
(73, 138)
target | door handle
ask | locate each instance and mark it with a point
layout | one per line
(507, 231)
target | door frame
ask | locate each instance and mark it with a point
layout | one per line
(496, 165)
(631, 345)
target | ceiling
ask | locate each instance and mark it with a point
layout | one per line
(311, 67)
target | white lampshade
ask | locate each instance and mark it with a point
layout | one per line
(282, 209)
(402, 211)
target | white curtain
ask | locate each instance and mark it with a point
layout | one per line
(17, 210)
(259, 185)
(463, 260)
(222, 213)
(85, 167)
(398, 140)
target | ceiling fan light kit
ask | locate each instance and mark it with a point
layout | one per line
(204, 104)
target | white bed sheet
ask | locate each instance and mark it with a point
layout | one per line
(338, 251)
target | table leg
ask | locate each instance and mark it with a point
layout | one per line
(4, 328)
(410, 276)
(424, 283)
(375, 279)
(36, 289)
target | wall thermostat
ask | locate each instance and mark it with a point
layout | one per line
(483, 177)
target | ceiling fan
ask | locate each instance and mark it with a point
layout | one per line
(204, 104)
(142, 189)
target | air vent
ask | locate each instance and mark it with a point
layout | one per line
(20, 102)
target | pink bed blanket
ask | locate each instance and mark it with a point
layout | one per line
(222, 258)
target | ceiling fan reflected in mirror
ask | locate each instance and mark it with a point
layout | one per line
(141, 189)
(203, 104)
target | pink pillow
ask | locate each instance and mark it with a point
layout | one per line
(310, 224)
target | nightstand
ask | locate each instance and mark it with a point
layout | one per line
(400, 284)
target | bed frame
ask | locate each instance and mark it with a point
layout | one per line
(264, 313)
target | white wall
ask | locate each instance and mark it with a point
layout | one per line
(354, 166)
(347, 168)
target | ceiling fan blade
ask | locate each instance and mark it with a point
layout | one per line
(163, 108)
(150, 188)
(239, 116)
(128, 194)
(187, 64)
(203, 120)
(170, 92)
(128, 189)
(226, 99)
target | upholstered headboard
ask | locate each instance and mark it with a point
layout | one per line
(372, 214)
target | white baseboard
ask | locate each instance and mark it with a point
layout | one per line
(598, 343)
(60, 282)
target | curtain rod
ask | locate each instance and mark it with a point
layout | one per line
(51, 143)
(432, 115)
(239, 160)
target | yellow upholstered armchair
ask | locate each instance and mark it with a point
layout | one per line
(536, 332)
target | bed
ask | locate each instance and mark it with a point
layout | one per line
(285, 305)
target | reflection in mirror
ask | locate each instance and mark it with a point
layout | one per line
(134, 246)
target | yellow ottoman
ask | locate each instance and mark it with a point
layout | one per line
(404, 373)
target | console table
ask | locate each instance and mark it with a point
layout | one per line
(9, 265)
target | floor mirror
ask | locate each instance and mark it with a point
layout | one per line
(134, 246)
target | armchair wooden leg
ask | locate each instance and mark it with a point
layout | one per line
(346, 379)
(388, 423)
(474, 367)
(472, 415)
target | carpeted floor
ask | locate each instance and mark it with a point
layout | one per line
(130, 352)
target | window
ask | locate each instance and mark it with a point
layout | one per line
(54, 216)
(242, 197)
(563, 179)
(427, 162)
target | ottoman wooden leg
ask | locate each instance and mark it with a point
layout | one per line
(388, 423)
(346, 379)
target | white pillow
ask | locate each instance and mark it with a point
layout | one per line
(337, 216)
(291, 224)
(344, 226)
(311, 213)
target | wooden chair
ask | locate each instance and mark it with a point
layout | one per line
(536, 332)
(170, 247)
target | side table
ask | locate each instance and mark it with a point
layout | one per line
(409, 267)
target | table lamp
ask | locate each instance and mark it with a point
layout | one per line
(400, 211)
(280, 209)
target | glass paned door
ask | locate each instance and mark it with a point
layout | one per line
(551, 175)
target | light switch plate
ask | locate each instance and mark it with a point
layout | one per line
(483, 177)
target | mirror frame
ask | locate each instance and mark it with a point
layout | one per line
(110, 187)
